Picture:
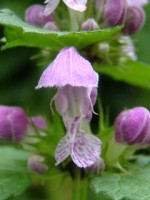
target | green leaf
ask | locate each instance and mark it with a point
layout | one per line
(131, 72)
(14, 177)
(19, 33)
(113, 186)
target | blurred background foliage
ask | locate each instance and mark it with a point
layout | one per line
(19, 74)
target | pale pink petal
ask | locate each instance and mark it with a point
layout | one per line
(137, 2)
(79, 5)
(61, 102)
(62, 150)
(75, 101)
(69, 68)
(85, 150)
(51, 6)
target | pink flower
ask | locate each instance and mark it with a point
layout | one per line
(77, 82)
(78, 5)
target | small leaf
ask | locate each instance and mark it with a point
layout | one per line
(131, 72)
(19, 33)
(14, 177)
(113, 186)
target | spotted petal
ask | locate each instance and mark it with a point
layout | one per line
(79, 5)
(62, 150)
(85, 150)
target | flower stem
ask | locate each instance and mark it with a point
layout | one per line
(79, 191)
(76, 19)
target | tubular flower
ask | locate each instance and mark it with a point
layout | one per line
(77, 82)
(78, 5)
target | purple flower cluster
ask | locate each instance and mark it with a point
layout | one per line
(127, 12)
(111, 13)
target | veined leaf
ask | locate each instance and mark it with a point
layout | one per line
(19, 33)
(14, 176)
(131, 72)
(113, 186)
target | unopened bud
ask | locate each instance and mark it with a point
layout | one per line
(51, 26)
(90, 25)
(132, 127)
(103, 47)
(35, 15)
(126, 50)
(96, 168)
(115, 12)
(35, 164)
(39, 122)
(134, 21)
(13, 123)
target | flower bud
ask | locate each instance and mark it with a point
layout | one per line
(115, 12)
(35, 164)
(132, 127)
(35, 15)
(51, 26)
(13, 123)
(126, 50)
(39, 122)
(90, 25)
(134, 21)
(104, 48)
(96, 168)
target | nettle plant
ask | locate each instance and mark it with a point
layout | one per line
(78, 40)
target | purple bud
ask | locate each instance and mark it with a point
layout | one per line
(132, 127)
(35, 164)
(115, 12)
(96, 168)
(35, 15)
(51, 26)
(134, 21)
(90, 25)
(13, 123)
(39, 122)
